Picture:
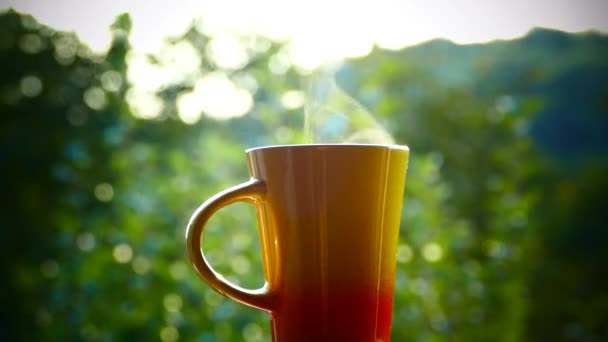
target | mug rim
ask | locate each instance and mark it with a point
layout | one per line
(320, 145)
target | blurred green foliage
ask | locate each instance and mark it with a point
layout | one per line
(503, 233)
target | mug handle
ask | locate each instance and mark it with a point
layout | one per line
(251, 192)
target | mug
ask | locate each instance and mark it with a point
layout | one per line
(328, 217)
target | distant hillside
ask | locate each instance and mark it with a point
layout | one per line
(567, 72)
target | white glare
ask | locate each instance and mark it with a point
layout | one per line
(144, 73)
(189, 107)
(180, 62)
(335, 28)
(227, 52)
(144, 104)
(215, 95)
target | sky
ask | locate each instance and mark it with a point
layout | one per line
(320, 29)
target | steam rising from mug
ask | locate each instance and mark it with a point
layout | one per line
(332, 116)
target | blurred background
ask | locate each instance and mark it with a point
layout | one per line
(118, 119)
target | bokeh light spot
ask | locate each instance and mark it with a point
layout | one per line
(178, 270)
(104, 192)
(240, 264)
(95, 98)
(252, 332)
(404, 253)
(215, 95)
(179, 63)
(49, 268)
(122, 253)
(292, 99)
(213, 298)
(141, 265)
(143, 74)
(144, 104)
(241, 241)
(172, 302)
(279, 63)
(169, 334)
(31, 86)
(432, 252)
(227, 52)
(85, 242)
(111, 81)
(65, 49)
(31, 43)
(189, 108)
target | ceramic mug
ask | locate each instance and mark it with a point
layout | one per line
(328, 219)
